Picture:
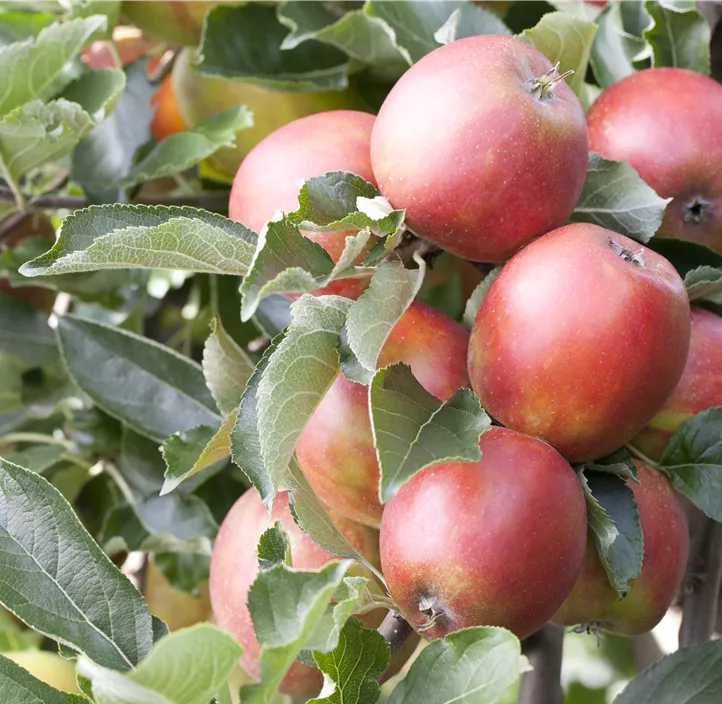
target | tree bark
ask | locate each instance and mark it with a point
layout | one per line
(542, 685)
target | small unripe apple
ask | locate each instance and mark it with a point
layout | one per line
(592, 601)
(483, 144)
(497, 542)
(47, 667)
(699, 388)
(234, 566)
(580, 340)
(336, 449)
(270, 177)
(667, 123)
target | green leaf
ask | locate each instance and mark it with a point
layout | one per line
(477, 296)
(693, 461)
(361, 656)
(566, 40)
(473, 666)
(286, 607)
(615, 197)
(25, 333)
(244, 43)
(57, 579)
(37, 458)
(147, 237)
(11, 382)
(16, 25)
(189, 666)
(689, 676)
(226, 368)
(703, 282)
(161, 392)
(18, 685)
(97, 92)
(274, 548)
(273, 315)
(619, 463)
(372, 317)
(468, 20)
(413, 429)
(614, 520)
(679, 35)
(685, 256)
(185, 149)
(31, 68)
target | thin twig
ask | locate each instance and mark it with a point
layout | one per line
(641, 456)
(542, 685)
(395, 629)
(13, 221)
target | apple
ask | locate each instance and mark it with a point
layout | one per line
(497, 542)
(201, 96)
(667, 123)
(592, 601)
(483, 144)
(130, 45)
(47, 667)
(699, 388)
(167, 119)
(580, 340)
(176, 607)
(270, 177)
(336, 449)
(234, 566)
(174, 21)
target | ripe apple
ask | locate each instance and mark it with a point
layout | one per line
(497, 542)
(234, 566)
(130, 44)
(666, 547)
(47, 667)
(667, 123)
(580, 340)
(174, 21)
(699, 388)
(336, 449)
(167, 119)
(200, 96)
(483, 144)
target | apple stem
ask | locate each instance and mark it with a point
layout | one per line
(542, 685)
(546, 82)
(395, 629)
(641, 456)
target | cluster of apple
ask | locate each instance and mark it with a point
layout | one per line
(581, 343)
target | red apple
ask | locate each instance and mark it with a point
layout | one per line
(167, 119)
(484, 146)
(336, 449)
(699, 388)
(580, 340)
(234, 566)
(497, 542)
(270, 177)
(666, 545)
(667, 123)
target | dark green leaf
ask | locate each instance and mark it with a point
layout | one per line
(18, 686)
(619, 463)
(25, 333)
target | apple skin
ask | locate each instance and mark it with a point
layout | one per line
(453, 141)
(234, 566)
(47, 667)
(174, 21)
(270, 177)
(667, 123)
(167, 119)
(336, 449)
(699, 388)
(200, 96)
(666, 548)
(467, 536)
(577, 345)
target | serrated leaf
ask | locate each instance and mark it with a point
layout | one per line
(693, 461)
(679, 35)
(614, 520)
(25, 333)
(184, 149)
(473, 666)
(244, 43)
(372, 317)
(274, 548)
(57, 579)
(566, 40)
(477, 296)
(226, 367)
(161, 392)
(615, 197)
(18, 685)
(361, 656)
(97, 92)
(413, 429)
(619, 463)
(187, 667)
(703, 282)
(689, 676)
(147, 237)
(28, 69)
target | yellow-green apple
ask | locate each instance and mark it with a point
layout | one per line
(47, 667)
(483, 144)
(592, 601)
(580, 340)
(336, 449)
(174, 21)
(667, 123)
(497, 542)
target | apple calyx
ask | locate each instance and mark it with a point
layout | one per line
(433, 612)
(697, 210)
(544, 84)
(593, 628)
(636, 258)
